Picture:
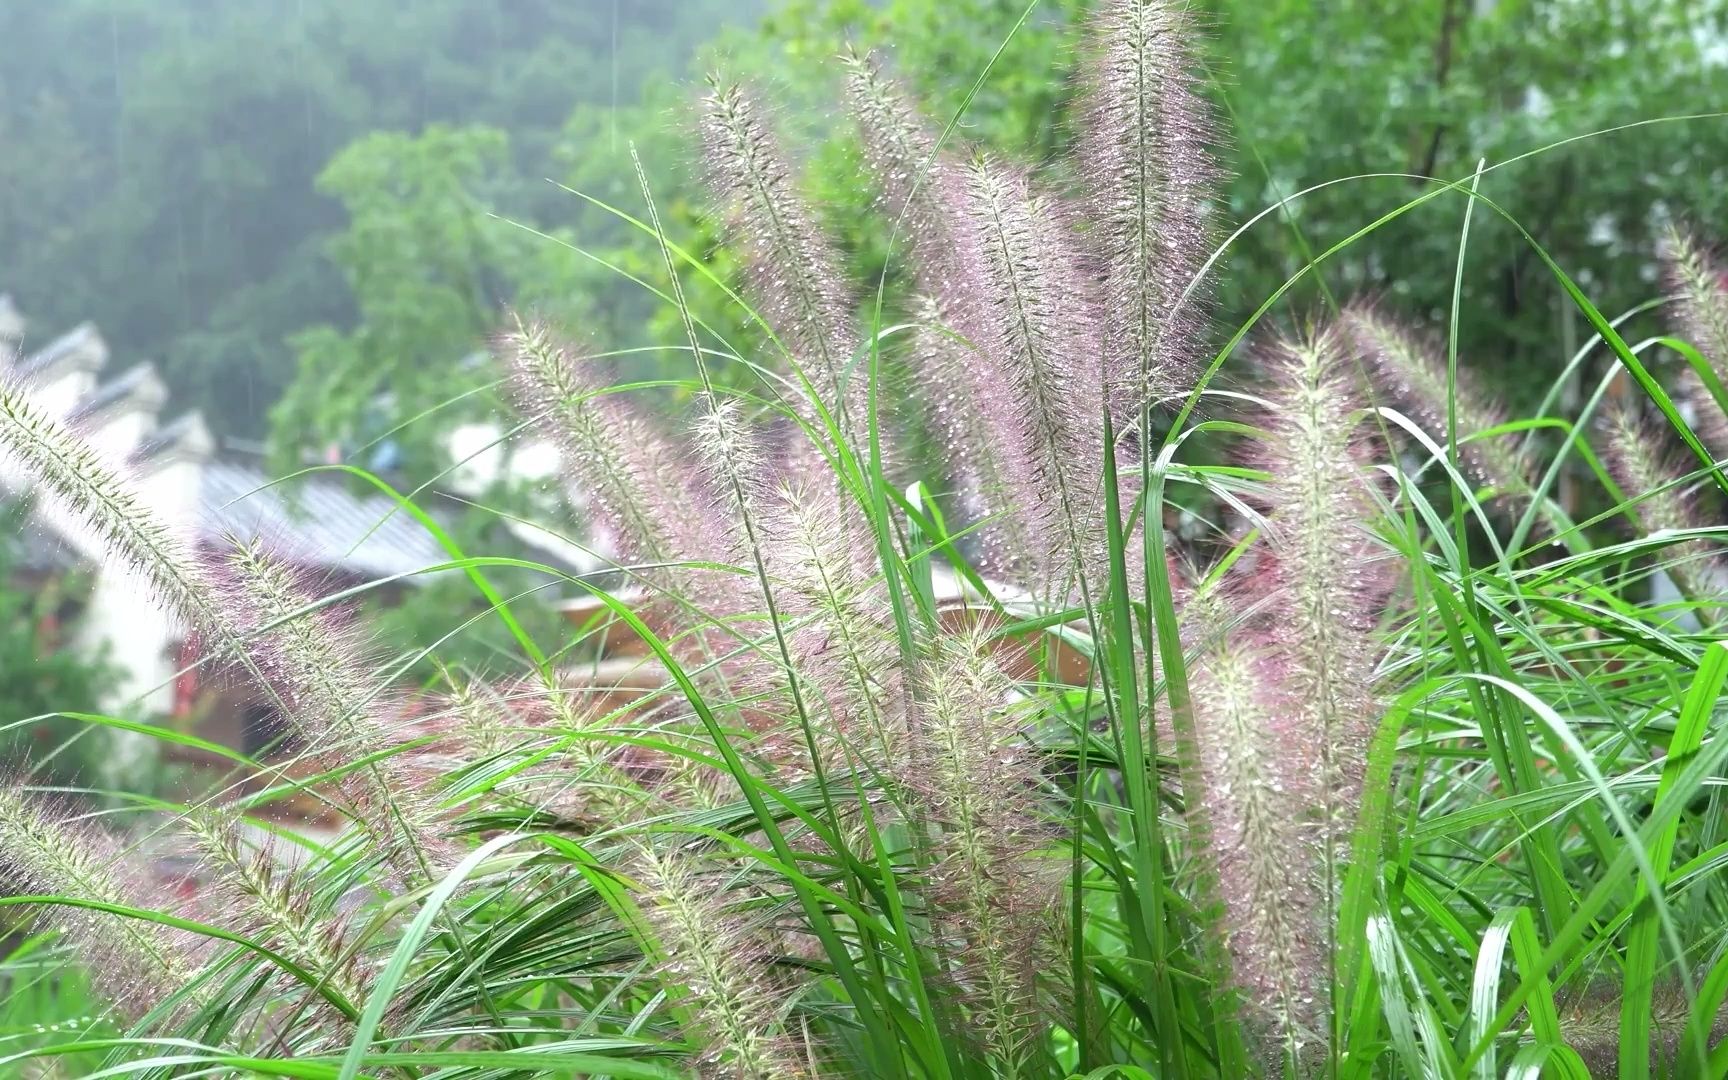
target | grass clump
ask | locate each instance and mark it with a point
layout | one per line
(971, 768)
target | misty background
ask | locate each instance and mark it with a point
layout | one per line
(220, 186)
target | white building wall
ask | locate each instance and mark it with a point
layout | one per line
(59, 394)
(125, 623)
(119, 431)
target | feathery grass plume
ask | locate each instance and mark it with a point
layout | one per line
(1702, 282)
(1413, 372)
(713, 956)
(541, 747)
(135, 964)
(254, 894)
(969, 401)
(1639, 454)
(1285, 707)
(733, 458)
(898, 144)
(494, 726)
(975, 777)
(1146, 156)
(730, 454)
(768, 679)
(1041, 333)
(923, 191)
(601, 785)
(987, 450)
(795, 270)
(843, 640)
(481, 718)
(1258, 765)
(1327, 577)
(98, 495)
(1701, 316)
(312, 661)
(636, 484)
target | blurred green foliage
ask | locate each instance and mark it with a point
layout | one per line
(1371, 94)
(423, 265)
(158, 158)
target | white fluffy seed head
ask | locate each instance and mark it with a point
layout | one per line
(716, 960)
(135, 964)
(1152, 180)
(97, 494)
(1412, 371)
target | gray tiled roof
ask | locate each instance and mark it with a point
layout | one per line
(316, 519)
(82, 336)
(113, 390)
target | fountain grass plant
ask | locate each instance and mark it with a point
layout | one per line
(969, 767)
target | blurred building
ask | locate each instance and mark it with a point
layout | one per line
(215, 492)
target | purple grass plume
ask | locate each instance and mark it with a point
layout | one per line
(795, 271)
(638, 488)
(1152, 180)
(900, 147)
(1259, 770)
(735, 1011)
(817, 567)
(1327, 573)
(254, 892)
(313, 661)
(1040, 330)
(246, 611)
(843, 638)
(989, 448)
(1644, 460)
(81, 483)
(969, 396)
(1412, 372)
(975, 778)
(1284, 699)
(1701, 317)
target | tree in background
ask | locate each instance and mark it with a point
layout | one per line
(160, 155)
(1425, 94)
(425, 267)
